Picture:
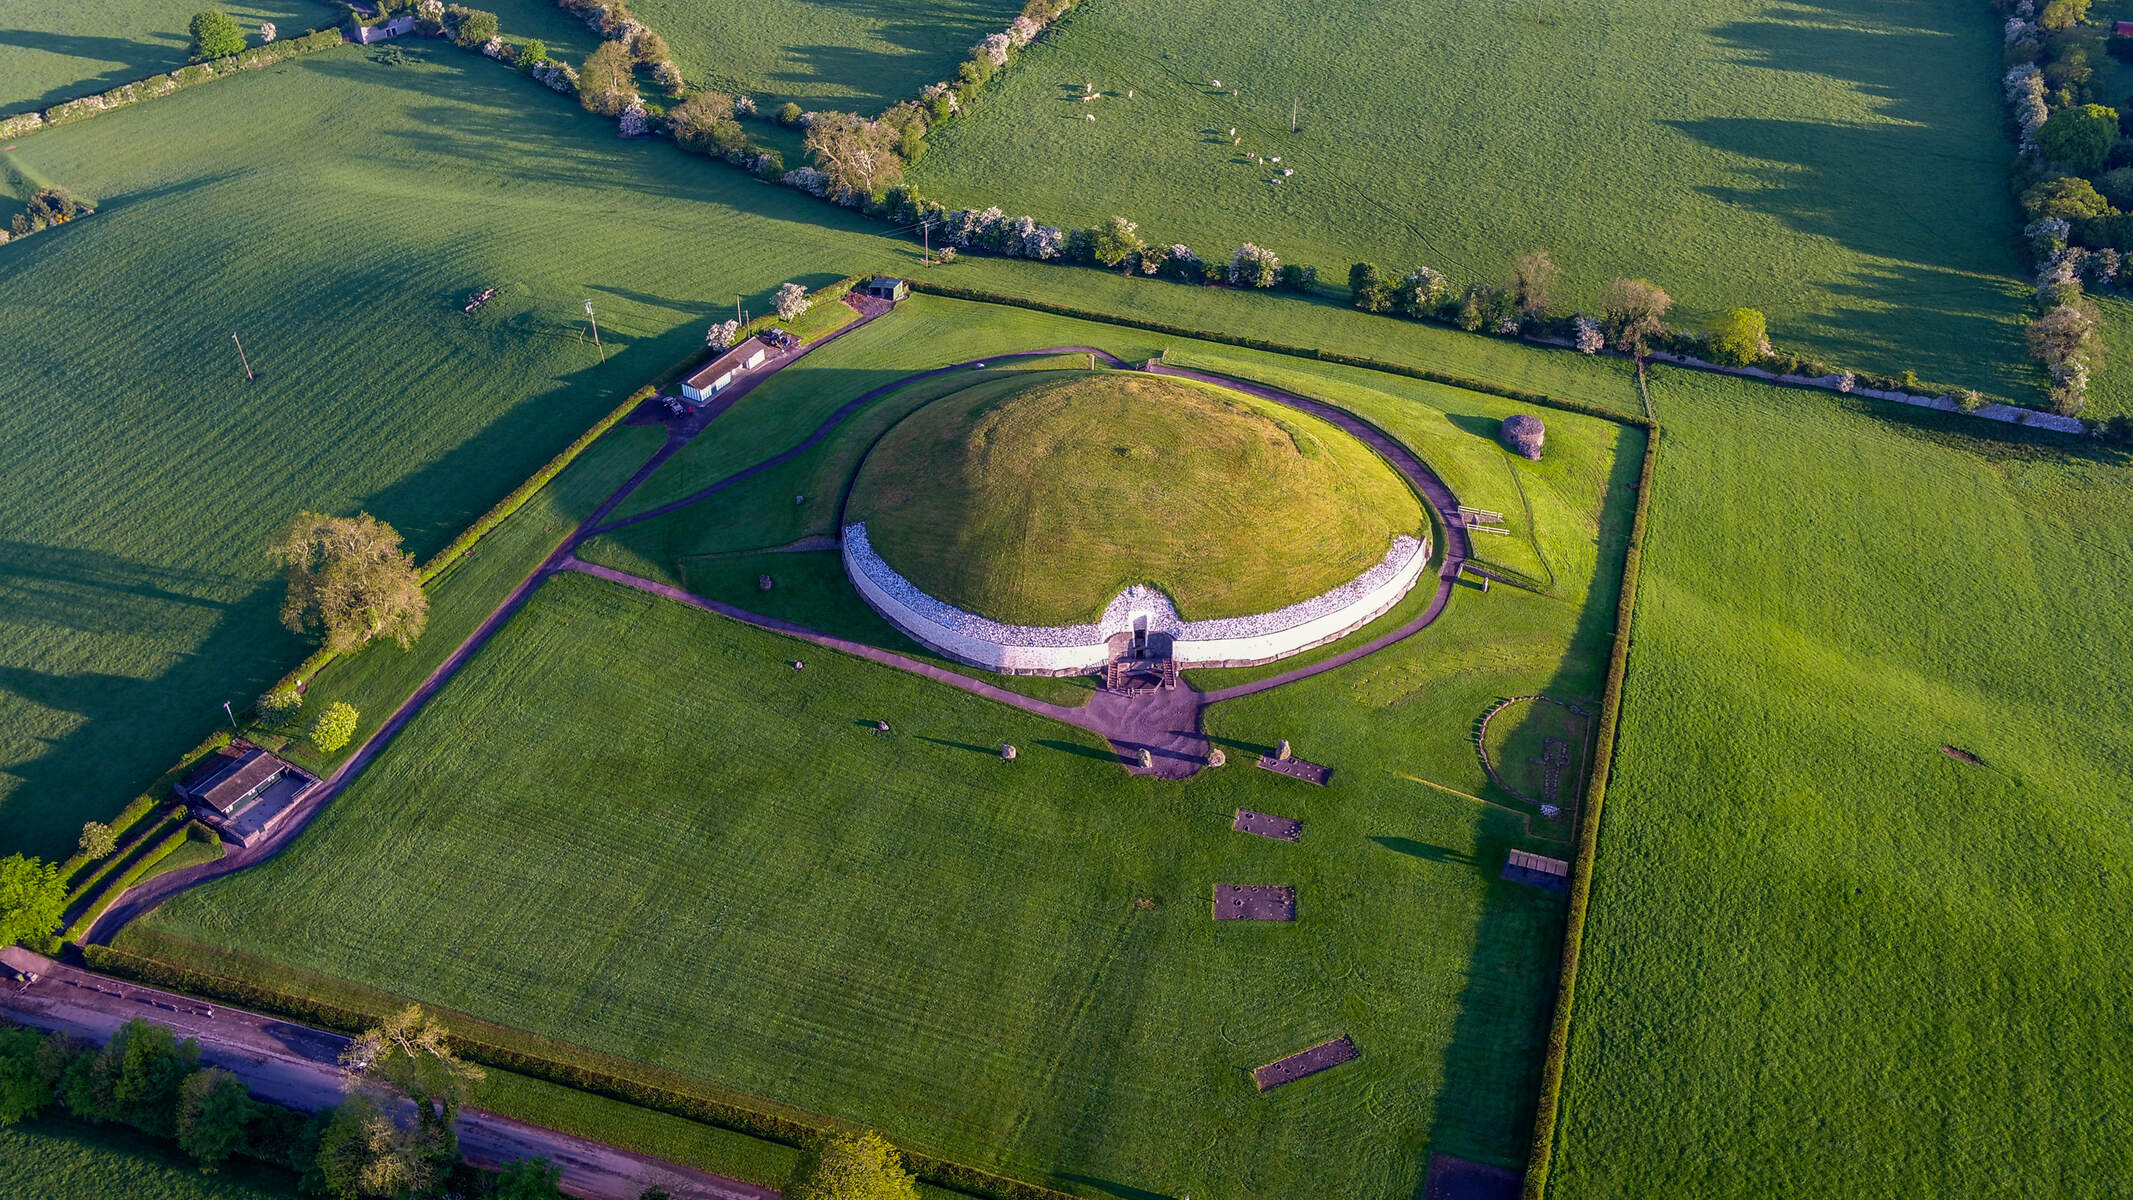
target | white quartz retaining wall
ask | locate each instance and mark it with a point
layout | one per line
(1083, 649)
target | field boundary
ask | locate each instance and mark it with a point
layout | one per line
(165, 83)
(1542, 399)
(541, 1058)
(1548, 1107)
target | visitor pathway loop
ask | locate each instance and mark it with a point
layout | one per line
(298, 1066)
(1167, 722)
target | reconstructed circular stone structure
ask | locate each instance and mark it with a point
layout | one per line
(1524, 434)
(1059, 522)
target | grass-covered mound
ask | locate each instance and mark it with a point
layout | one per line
(1036, 503)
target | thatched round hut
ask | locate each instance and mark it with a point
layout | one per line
(1524, 435)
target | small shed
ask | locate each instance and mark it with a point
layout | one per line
(242, 791)
(714, 377)
(883, 287)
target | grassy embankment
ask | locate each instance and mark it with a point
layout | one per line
(1039, 502)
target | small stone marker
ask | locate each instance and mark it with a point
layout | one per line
(1147, 759)
(1007, 751)
(763, 583)
(1281, 752)
(1216, 758)
(1246, 902)
(797, 665)
(799, 500)
(1287, 829)
(881, 727)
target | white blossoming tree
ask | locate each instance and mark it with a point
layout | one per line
(1589, 337)
(1253, 266)
(267, 33)
(790, 301)
(722, 333)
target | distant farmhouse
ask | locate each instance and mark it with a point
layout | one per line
(242, 791)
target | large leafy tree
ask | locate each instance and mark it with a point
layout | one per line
(853, 1167)
(215, 1113)
(1634, 312)
(607, 83)
(858, 155)
(2079, 137)
(1738, 336)
(409, 1056)
(1115, 241)
(349, 581)
(33, 899)
(216, 34)
(25, 1089)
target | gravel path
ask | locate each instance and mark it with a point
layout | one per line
(298, 1066)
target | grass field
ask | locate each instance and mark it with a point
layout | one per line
(53, 50)
(336, 230)
(1825, 958)
(58, 1158)
(1840, 167)
(824, 54)
(1037, 501)
(991, 994)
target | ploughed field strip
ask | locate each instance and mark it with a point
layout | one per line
(1287, 829)
(1537, 870)
(1245, 902)
(1318, 1058)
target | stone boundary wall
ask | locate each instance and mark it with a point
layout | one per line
(1084, 650)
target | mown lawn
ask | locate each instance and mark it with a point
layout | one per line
(1840, 167)
(336, 228)
(59, 1158)
(1825, 958)
(952, 951)
(824, 54)
(54, 50)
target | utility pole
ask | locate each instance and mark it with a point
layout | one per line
(596, 330)
(1295, 103)
(242, 359)
(925, 233)
(232, 716)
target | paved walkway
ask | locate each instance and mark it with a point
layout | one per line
(298, 1066)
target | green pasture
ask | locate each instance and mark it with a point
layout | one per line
(1040, 501)
(953, 951)
(823, 54)
(1840, 167)
(59, 1158)
(54, 50)
(1824, 958)
(336, 228)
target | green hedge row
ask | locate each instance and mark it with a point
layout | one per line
(1539, 399)
(757, 1118)
(156, 87)
(95, 900)
(1548, 1106)
(128, 826)
(149, 832)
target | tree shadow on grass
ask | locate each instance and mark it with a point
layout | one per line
(1425, 851)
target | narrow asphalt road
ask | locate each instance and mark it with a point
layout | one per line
(298, 1066)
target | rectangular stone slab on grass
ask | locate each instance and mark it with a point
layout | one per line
(1305, 1062)
(1285, 828)
(1244, 902)
(1296, 768)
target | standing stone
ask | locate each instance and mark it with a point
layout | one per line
(1216, 758)
(1524, 434)
(1281, 752)
(1007, 751)
(1147, 760)
(762, 583)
